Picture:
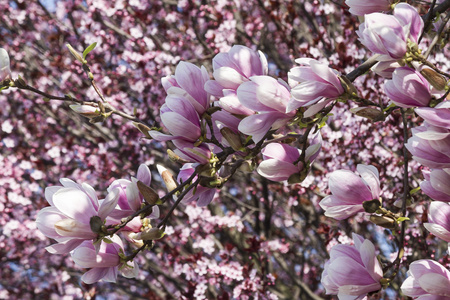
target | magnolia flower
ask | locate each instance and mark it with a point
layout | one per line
(86, 110)
(203, 195)
(438, 116)
(188, 82)
(312, 82)
(104, 263)
(363, 7)
(349, 191)
(408, 88)
(235, 67)
(439, 220)
(5, 71)
(279, 159)
(436, 184)
(430, 146)
(352, 271)
(428, 280)
(385, 68)
(388, 34)
(181, 119)
(68, 218)
(269, 98)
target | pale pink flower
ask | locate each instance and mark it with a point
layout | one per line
(427, 280)
(437, 184)
(203, 195)
(349, 191)
(191, 152)
(104, 263)
(408, 88)
(439, 220)
(363, 7)
(67, 219)
(235, 67)
(5, 71)
(269, 98)
(189, 81)
(438, 116)
(352, 271)
(281, 160)
(312, 82)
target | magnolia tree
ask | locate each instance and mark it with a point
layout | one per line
(225, 149)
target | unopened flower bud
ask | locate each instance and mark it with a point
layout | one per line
(232, 138)
(174, 157)
(20, 82)
(75, 54)
(86, 110)
(96, 224)
(384, 221)
(436, 80)
(148, 234)
(167, 177)
(143, 129)
(368, 113)
(371, 206)
(348, 86)
(150, 196)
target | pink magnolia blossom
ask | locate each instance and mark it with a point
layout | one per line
(385, 68)
(436, 184)
(105, 263)
(130, 199)
(279, 159)
(363, 7)
(188, 82)
(349, 191)
(203, 195)
(67, 219)
(181, 119)
(388, 34)
(430, 146)
(408, 88)
(439, 220)
(269, 98)
(235, 67)
(312, 82)
(428, 280)
(438, 116)
(352, 271)
(191, 152)
(5, 71)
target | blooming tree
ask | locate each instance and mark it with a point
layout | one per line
(225, 149)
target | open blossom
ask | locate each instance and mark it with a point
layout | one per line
(427, 279)
(5, 71)
(438, 116)
(439, 220)
(279, 159)
(408, 88)
(352, 271)
(235, 67)
(349, 191)
(363, 7)
(436, 184)
(189, 81)
(269, 98)
(67, 219)
(312, 82)
(105, 263)
(388, 34)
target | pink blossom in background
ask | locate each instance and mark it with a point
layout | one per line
(408, 88)
(235, 67)
(427, 279)
(278, 159)
(436, 184)
(349, 191)
(5, 71)
(352, 271)
(104, 264)
(188, 82)
(312, 82)
(269, 98)
(67, 219)
(364, 7)
(439, 220)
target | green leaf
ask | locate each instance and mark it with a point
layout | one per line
(401, 219)
(89, 49)
(413, 191)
